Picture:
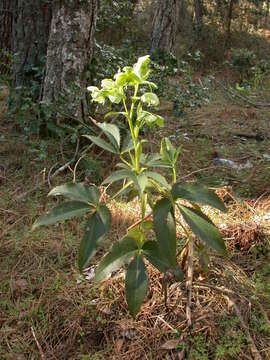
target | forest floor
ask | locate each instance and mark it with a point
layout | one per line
(49, 311)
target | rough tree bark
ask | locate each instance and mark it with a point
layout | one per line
(5, 24)
(30, 32)
(5, 34)
(229, 22)
(165, 25)
(70, 48)
(198, 10)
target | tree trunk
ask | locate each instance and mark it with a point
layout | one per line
(30, 31)
(5, 25)
(198, 9)
(229, 21)
(267, 13)
(5, 34)
(69, 50)
(165, 26)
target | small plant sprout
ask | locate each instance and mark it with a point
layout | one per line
(154, 239)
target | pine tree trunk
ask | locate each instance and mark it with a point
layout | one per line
(229, 22)
(5, 25)
(165, 26)
(69, 51)
(198, 9)
(5, 34)
(30, 31)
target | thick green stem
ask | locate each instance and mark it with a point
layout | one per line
(173, 175)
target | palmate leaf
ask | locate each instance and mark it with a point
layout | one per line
(153, 254)
(136, 284)
(165, 230)
(97, 227)
(196, 192)
(77, 192)
(120, 253)
(102, 143)
(64, 211)
(203, 228)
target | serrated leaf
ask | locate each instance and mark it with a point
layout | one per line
(150, 99)
(64, 211)
(103, 144)
(136, 284)
(97, 227)
(157, 178)
(196, 192)
(204, 229)
(112, 132)
(120, 175)
(120, 253)
(78, 192)
(165, 230)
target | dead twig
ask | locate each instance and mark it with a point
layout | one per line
(189, 282)
(38, 344)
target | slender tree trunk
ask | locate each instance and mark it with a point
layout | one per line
(5, 24)
(165, 25)
(30, 31)
(198, 9)
(267, 13)
(5, 34)
(229, 22)
(69, 50)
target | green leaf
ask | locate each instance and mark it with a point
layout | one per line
(137, 284)
(120, 253)
(165, 229)
(112, 132)
(142, 182)
(97, 227)
(157, 178)
(64, 211)
(115, 114)
(196, 192)
(79, 192)
(168, 151)
(204, 229)
(150, 99)
(103, 144)
(120, 175)
(152, 253)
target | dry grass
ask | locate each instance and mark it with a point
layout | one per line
(49, 311)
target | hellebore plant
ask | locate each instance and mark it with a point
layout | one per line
(154, 237)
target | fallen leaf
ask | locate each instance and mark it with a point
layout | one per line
(118, 346)
(170, 344)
